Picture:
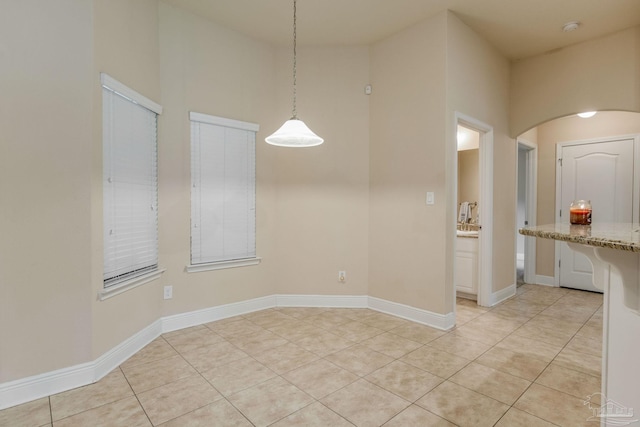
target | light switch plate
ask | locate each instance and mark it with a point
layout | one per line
(431, 198)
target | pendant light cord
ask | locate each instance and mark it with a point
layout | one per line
(295, 112)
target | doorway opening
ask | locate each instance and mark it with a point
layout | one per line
(603, 171)
(481, 219)
(526, 206)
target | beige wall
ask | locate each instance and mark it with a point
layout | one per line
(422, 76)
(209, 69)
(478, 86)
(322, 193)
(571, 128)
(468, 177)
(596, 75)
(46, 84)
(407, 159)
(115, 24)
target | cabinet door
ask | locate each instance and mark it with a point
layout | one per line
(467, 266)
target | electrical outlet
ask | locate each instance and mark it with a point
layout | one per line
(342, 276)
(168, 292)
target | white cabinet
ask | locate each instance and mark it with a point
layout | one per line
(466, 274)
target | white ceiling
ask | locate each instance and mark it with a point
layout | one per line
(517, 28)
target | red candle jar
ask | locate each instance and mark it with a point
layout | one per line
(580, 212)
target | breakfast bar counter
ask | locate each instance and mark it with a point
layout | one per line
(614, 253)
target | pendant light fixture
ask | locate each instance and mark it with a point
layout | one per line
(294, 133)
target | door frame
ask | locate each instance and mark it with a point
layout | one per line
(635, 204)
(485, 202)
(531, 206)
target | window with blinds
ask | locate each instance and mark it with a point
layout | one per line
(223, 212)
(130, 183)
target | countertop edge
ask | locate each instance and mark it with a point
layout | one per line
(601, 242)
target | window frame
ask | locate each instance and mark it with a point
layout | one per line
(195, 117)
(117, 285)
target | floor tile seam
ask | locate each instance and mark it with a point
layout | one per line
(500, 369)
(498, 342)
(395, 394)
(149, 361)
(275, 374)
(194, 374)
(458, 355)
(562, 391)
(533, 415)
(579, 336)
(539, 339)
(313, 399)
(419, 342)
(191, 364)
(590, 338)
(576, 305)
(328, 328)
(558, 354)
(423, 369)
(361, 376)
(113, 400)
(51, 409)
(434, 373)
(441, 416)
(549, 329)
(358, 378)
(246, 417)
(377, 351)
(306, 406)
(404, 398)
(557, 391)
(182, 415)
(399, 412)
(367, 338)
(390, 331)
(566, 344)
(567, 312)
(486, 395)
(53, 421)
(513, 405)
(571, 367)
(433, 413)
(134, 394)
(524, 353)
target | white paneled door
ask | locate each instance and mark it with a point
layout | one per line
(601, 172)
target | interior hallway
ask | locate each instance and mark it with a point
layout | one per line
(530, 361)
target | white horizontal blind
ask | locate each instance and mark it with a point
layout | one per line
(223, 220)
(130, 187)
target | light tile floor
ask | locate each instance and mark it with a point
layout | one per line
(530, 361)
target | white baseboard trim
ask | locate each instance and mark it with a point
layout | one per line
(31, 388)
(502, 294)
(117, 355)
(545, 280)
(38, 386)
(435, 320)
(206, 315)
(333, 301)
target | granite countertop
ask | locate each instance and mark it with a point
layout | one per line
(623, 236)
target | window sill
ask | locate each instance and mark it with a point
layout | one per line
(114, 290)
(196, 268)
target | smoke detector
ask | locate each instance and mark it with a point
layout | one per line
(570, 26)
